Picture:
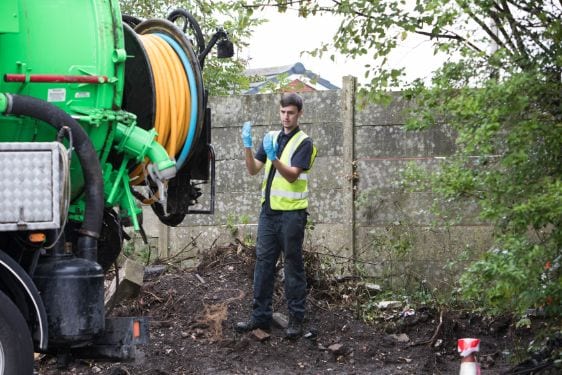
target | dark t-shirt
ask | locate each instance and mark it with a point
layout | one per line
(300, 159)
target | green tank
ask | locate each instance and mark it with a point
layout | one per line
(48, 42)
(72, 55)
(84, 94)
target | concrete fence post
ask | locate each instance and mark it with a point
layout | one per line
(348, 123)
(163, 241)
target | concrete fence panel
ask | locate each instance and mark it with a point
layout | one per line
(361, 214)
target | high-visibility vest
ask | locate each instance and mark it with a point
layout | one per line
(285, 195)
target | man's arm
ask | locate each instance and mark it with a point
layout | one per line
(253, 165)
(289, 173)
(300, 162)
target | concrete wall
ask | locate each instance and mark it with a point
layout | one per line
(388, 233)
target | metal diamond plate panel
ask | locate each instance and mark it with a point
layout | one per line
(29, 186)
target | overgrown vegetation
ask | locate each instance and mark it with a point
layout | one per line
(501, 91)
(509, 163)
(236, 226)
(137, 249)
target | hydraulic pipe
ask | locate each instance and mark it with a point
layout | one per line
(21, 105)
(140, 143)
(54, 78)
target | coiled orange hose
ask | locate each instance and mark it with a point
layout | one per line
(173, 99)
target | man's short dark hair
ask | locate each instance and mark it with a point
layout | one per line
(291, 99)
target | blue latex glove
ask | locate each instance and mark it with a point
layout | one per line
(270, 146)
(275, 144)
(247, 134)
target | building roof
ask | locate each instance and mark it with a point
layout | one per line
(298, 77)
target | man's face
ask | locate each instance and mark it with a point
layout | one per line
(290, 117)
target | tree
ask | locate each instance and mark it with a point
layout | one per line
(221, 76)
(501, 91)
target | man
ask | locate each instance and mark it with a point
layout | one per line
(287, 155)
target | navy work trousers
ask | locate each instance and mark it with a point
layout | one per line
(283, 232)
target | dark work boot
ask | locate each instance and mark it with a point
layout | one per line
(250, 325)
(294, 330)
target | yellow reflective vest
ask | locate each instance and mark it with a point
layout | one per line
(285, 195)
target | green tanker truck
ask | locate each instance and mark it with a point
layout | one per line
(99, 113)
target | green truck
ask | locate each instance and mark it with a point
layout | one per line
(100, 113)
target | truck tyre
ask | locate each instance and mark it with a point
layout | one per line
(16, 347)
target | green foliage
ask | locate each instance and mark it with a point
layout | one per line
(282, 80)
(501, 92)
(281, 83)
(136, 249)
(235, 226)
(231, 225)
(509, 162)
(395, 241)
(221, 76)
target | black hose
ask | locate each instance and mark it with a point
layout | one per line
(130, 20)
(192, 22)
(220, 34)
(93, 181)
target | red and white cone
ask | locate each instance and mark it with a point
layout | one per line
(467, 349)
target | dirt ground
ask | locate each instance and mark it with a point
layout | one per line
(193, 311)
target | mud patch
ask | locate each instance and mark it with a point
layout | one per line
(193, 312)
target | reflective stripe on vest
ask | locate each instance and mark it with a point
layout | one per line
(285, 195)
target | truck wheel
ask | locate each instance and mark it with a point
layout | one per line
(16, 347)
